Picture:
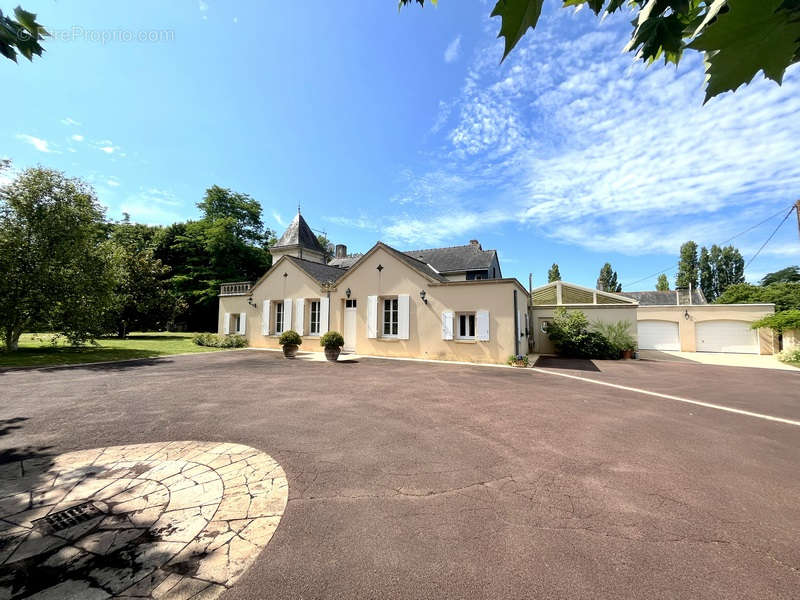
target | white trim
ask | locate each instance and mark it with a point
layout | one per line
(300, 310)
(466, 314)
(482, 325)
(265, 310)
(226, 324)
(324, 308)
(287, 314)
(242, 324)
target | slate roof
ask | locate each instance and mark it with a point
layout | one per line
(418, 265)
(455, 258)
(320, 272)
(668, 298)
(299, 234)
(345, 262)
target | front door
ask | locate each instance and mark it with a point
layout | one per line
(350, 326)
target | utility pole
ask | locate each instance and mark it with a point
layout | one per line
(797, 212)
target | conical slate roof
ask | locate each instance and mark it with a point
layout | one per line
(299, 234)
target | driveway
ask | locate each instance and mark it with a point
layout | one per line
(408, 479)
(761, 361)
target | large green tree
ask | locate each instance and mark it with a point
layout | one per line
(687, 266)
(738, 38)
(785, 296)
(607, 281)
(719, 268)
(55, 263)
(229, 243)
(553, 274)
(662, 284)
(787, 275)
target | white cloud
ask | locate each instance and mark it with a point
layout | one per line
(278, 219)
(38, 143)
(153, 206)
(235, 19)
(113, 182)
(77, 138)
(69, 121)
(202, 5)
(453, 50)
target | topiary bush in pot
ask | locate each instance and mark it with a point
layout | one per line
(332, 342)
(290, 340)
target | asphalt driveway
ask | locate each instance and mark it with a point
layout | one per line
(416, 480)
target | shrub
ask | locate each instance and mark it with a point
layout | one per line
(517, 359)
(332, 339)
(213, 340)
(571, 335)
(618, 334)
(791, 356)
(290, 338)
(782, 321)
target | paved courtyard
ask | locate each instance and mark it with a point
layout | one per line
(405, 479)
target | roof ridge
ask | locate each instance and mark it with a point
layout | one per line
(442, 248)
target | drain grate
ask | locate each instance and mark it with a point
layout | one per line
(69, 517)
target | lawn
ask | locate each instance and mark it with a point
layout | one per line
(37, 350)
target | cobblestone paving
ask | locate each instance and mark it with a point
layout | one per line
(167, 520)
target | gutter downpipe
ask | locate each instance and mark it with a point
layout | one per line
(516, 326)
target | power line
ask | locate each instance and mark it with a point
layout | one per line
(770, 237)
(675, 266)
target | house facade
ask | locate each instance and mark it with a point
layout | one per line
(441, 303)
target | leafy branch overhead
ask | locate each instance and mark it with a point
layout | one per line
(739, 38)
(20, 34)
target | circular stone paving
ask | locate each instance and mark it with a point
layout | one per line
(168, 520)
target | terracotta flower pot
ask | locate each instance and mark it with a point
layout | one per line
(332, 354)
(290, 350)
(627, 354)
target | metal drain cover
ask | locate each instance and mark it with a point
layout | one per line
(69, 517)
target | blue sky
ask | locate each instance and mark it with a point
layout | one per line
(403, 127)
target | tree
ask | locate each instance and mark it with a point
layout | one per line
(785, 296)
(706, 275)
(607, 281)
(553, 274)
(780, 322)
(53, 257)
(143, 297)
(662, 285)
(719, 268)
(244, 213)
(687, 267)
(738, 38)
(20, 34)
(787, 275)
(327, 246)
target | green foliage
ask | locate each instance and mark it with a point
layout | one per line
(21, 34)
(518, 360)
(687, 266)
(738, 38)
(570, 333)
(618, 334)
(553, 274)
(56, 264)
(607, 281)
(719, 269)
(780, 322)
(662, 285)
(290, 338)
(787, 275)
(785, 296)
(326, 246)
(214, 340)
(331, 339)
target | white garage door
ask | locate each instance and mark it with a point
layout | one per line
(658, 335)
(726, 336)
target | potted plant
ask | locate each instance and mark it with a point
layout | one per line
(332, 342)
(518, 360)
(290, 340)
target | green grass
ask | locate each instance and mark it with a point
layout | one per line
(37, 350)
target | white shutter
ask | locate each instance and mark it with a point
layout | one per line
(242, 325)
(447, 325)
(287, 314)
(226, 324)
(403, 316)
(482, 317)
(324, 304)
(301, 313)
(265, 318)
(372, 317)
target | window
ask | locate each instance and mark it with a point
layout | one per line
(465, 326)
(313, 325)
(390, 314)
(279, 317)
(350, 303)
(236, 322)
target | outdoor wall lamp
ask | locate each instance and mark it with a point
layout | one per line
(251, 303)
(422, 295)
(686, 314)
(347, 293)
